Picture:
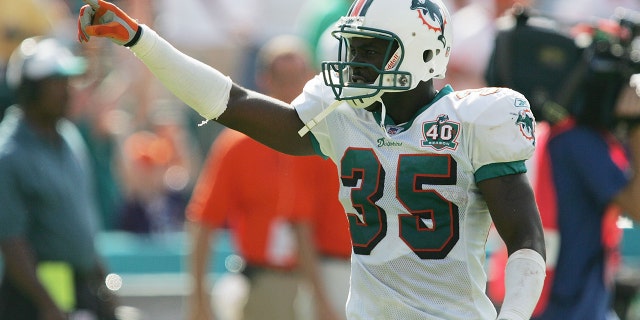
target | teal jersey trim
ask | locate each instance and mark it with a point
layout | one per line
(316, 147)
(495, 170)
(377, 114)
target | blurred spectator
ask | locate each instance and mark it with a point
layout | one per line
(587, 181)
(242, 186)
(155, 169)
(584, 179)
(48, 221)
(151, 205)
(27, 18)
(256, 192)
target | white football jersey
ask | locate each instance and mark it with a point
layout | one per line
(417, 220)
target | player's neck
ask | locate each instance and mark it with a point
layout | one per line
(403, 106)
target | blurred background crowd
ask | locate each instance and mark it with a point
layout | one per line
(147, 151)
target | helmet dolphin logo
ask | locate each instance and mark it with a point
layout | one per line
(432, 10)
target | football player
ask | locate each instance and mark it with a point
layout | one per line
(423, 171)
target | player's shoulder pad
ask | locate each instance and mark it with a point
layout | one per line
(315, 89)
(492, 102)
(499, 123)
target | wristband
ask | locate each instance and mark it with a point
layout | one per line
(135, 38)
(524, 278)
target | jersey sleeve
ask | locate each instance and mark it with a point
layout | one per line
(312, 101)
(503, 135)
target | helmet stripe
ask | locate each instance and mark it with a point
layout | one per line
(359, 8)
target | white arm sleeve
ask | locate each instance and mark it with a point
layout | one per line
(200, 86)
(524, 278)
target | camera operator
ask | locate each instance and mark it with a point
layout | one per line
(587, 173)
(592, 182)
(590, 177)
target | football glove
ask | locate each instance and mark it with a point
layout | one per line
(104, 19)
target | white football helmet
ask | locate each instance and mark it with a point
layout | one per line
(420, 29)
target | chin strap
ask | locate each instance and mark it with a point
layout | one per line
(359, 103)
(313, 122)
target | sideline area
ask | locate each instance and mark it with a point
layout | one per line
(153, 279)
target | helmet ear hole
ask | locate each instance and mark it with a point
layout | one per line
(427, 55)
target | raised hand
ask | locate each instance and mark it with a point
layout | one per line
(104, 19)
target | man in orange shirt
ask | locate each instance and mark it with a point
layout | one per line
(317, 188)
(268, 200)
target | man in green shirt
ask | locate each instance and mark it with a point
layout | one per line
(48, 215)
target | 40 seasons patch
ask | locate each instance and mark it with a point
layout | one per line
(441, 133)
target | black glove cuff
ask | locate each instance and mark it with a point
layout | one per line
(135, 38)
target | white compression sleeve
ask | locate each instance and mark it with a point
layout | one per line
(524, 278)
(200, 86)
